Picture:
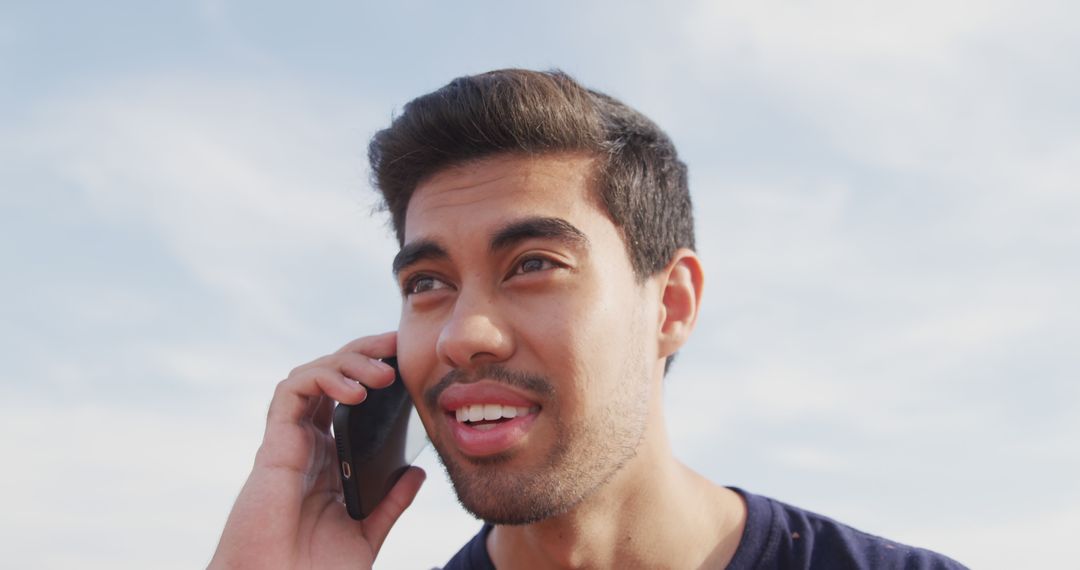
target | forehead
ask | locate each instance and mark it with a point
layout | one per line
(504, 187)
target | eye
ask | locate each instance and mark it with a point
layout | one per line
(423, 284)
(533, 264)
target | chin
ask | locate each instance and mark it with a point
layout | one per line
(509, 500)
(497, 492)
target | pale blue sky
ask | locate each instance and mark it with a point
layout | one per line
(886, 199)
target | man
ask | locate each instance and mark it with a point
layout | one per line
(548, 278)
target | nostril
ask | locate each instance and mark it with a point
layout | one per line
(474, 335)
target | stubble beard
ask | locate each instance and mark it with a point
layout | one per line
(584, 457)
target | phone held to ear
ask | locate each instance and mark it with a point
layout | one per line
(377, 440)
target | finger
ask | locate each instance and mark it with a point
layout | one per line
(323, 415)
(377, 525)
(369, 371)
(312, 405)
(293, 396)
(364, 369)
(377, 346)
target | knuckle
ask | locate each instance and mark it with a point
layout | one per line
(282, 386)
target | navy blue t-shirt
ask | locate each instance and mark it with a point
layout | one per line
(781, 537)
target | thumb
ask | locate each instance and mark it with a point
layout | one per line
(377, 525)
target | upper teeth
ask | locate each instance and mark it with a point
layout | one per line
(479, 412)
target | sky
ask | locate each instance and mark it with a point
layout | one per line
(886, 199)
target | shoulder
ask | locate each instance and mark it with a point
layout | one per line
(474, 555)
(778, 535)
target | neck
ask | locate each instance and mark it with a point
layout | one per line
(653, 513)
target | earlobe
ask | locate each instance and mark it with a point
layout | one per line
(682, 284)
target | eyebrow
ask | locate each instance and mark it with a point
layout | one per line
(418, 251)
(538, 227)
(508, 236)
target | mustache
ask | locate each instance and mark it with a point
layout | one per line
(534, 383)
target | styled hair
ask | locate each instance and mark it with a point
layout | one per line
(640, 179)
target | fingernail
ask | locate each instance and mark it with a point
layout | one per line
(381, 364)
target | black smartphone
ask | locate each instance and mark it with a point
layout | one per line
(377, 440)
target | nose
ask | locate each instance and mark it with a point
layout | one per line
(474, 334)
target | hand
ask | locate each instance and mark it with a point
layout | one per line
(290, 512)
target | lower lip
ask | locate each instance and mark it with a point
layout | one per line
(489, 441)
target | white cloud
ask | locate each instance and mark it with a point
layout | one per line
(244, 183)
(836, 31)
(116, 486)
(929, 85)
(1049, 537)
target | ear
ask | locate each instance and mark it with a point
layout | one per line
(681, 284)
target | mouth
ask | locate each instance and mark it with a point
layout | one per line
(486, 418)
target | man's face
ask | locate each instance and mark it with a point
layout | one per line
(525, 339)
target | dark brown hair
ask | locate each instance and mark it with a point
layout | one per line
(640, 178)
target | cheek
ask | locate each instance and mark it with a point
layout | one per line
(418, 365)
(582, 338)
(415, 353)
